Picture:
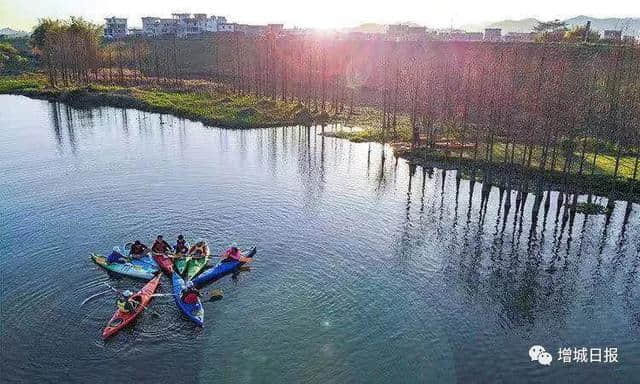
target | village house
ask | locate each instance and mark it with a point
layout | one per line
(150, 26)
(227, 27)
(416, 33)
(520, 37)
(181, 24)
(167, 27)
(397, 31)
(613, 35)
(115, 28)
(253, 30)
(459, 35)
(184, 25)
(493, 34)
(275, 29)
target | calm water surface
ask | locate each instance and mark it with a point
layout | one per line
(368, 270)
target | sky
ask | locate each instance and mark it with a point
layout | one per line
(23, 14)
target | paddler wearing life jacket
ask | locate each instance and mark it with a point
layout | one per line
(124, 302)
(160, 246)
(181, 245)
(190, 294)
(138, 249)
(199, 250)
(234, 253)
(116, 257)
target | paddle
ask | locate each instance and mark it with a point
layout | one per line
(163, 294)
(143, 306)
(93, 296)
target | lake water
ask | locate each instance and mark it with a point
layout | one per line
(368, 270)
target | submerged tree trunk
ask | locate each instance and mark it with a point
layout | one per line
(635, 165)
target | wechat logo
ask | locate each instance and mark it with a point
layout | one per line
(539, 354)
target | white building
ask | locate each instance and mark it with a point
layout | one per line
(520, 37)
(115, 28)
(493, 34)
(186, 25)
(150, 26)
(182, 24)
(135, 32)
(254, 30)
(613, 35)
(168, 27)
(458, 35)
(208, 24)
(227, 27)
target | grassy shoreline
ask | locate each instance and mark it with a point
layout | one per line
(213, 108)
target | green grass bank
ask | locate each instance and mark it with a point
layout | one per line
(212, 107)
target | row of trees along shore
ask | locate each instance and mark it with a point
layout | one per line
(525, 103)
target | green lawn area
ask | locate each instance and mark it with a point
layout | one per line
(221, 108)
(238, 110)
(605, 163)
(22, 82)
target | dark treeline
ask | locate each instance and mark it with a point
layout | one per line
(548, 105)
(69, 50)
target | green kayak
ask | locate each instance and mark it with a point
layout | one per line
(181, 264)
(190, 265)
(194, 266)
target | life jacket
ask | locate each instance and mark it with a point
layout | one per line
(159, 246)
(137, 249)
(114, 257)
(181, 245)
(200, 248)
(124, 305)
(229, 254)
(190, 297)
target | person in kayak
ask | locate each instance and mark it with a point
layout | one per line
(234, 253)
(138, 249)
(199, 250)
(190, 294)
(116, 257)
(160, 246)
(181, 245)
(124, 302)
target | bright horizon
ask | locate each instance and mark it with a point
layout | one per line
(329, 14)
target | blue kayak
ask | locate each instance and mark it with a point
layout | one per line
(144, 268)
(194, 312)
(219, 271)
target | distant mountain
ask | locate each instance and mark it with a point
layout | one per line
(628, 25)
(12, 33)
(524, 25)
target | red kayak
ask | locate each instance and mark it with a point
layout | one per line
(121, 319)
(164, 262)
